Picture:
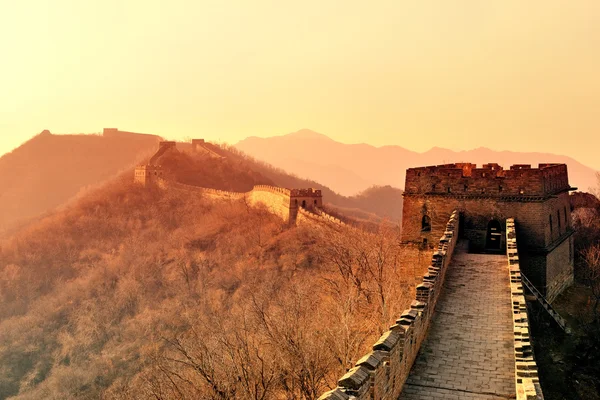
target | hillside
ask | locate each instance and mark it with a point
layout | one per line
(48, 170)
(351, 168)
(132, 293)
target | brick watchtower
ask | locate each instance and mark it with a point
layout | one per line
(151, 173)
(537, 198)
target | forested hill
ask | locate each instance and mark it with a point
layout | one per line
(48, 170)
(135, 293)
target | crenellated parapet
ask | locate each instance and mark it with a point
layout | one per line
(490, 180)
(310, 192)
(380, 374)
(526, 374)
(273, 189)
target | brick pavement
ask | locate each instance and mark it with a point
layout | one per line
(468, 353)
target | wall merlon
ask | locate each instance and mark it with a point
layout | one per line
(373, 360)
(355, 382)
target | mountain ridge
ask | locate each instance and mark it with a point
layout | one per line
(384, 165)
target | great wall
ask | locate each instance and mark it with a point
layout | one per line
(292, 205)
(466, 335)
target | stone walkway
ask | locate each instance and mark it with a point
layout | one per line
(468, 353)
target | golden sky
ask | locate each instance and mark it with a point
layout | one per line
(507, 74)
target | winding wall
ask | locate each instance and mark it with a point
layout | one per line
(276, 199)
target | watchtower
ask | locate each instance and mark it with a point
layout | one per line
(152, 173)
(306, 198)
(537, 198)
(148, 174)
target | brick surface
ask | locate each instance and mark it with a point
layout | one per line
(468, 353)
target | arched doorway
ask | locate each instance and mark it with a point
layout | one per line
(493, 240)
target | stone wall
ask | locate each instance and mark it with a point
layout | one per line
(276, 199)
(559, 269)
(380, 374)
(526, 375)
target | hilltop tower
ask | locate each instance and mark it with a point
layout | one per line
(151, 173)
(537, 198)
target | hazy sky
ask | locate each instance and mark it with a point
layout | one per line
(509, 75)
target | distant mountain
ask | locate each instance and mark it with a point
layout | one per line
(48, 170)
(352, 168)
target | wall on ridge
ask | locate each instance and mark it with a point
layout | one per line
(282, 202)
(380, 374)
(276, 199)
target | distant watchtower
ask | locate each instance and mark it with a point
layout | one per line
(151, 173)
(538, 199)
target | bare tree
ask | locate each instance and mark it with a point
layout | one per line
(591, 277)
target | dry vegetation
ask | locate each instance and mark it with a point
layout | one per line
(137, 294)
(48, 170)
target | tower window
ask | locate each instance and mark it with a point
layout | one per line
(550, 221)
(466, 187)
(425, 224)
(433, 187)
(500, 188)
(558, 219)
(449, 190)
(566, 221)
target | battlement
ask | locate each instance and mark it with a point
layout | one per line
(526, 375)
(310, 192)
(466, 179)
(273, 189)
(148, 168)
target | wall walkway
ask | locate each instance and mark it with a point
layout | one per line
(468, 352)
